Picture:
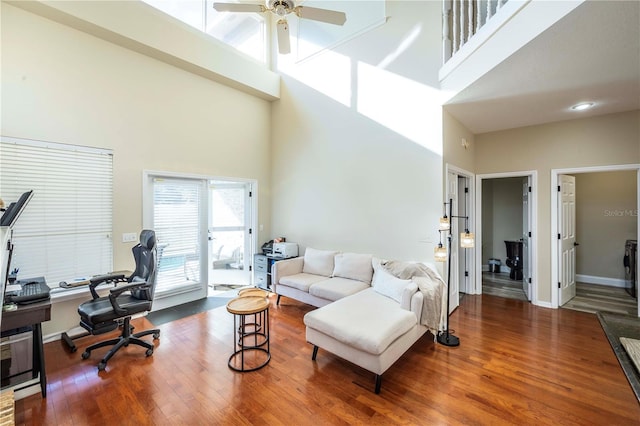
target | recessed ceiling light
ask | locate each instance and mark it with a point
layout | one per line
(582, 106)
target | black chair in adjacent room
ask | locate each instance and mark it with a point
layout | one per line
(135, 295)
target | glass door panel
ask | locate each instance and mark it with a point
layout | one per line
(229, 232)
(176, 212)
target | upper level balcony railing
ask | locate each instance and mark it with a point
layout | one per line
(462, 19)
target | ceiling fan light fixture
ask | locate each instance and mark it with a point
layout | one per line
(280, 7)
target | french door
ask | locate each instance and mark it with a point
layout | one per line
(176, 209)
(204, 232)
(229, 232)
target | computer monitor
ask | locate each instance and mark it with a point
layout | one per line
(7, 222)
(14, 210)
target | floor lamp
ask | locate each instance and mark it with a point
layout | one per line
(443, 254)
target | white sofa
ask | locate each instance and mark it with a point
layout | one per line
(321, 276)
(369, 313)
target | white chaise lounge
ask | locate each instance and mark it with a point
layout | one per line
(371, 311)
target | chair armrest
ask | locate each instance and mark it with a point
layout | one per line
(101, 279)
(283, 268)
(117, 291)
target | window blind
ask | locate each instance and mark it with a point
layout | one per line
(177, 205)
(65, 232)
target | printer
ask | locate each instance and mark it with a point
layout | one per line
(285, 250)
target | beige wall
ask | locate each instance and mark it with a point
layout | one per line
(605, 140)
(357, 147)
(454, 152)
(62, 85)
(606, 216)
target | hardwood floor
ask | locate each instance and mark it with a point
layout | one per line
(589, 297)
(499, 284)
(517, 364)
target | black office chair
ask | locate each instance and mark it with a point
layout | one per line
(104, 314)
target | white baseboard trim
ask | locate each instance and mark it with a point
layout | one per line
(591, 279)
(543, 304)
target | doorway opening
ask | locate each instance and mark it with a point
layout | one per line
(204, 230)
(596, 272)
(506, 208)
(229, 234)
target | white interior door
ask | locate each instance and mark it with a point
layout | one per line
(567, 238)
(526, 237)
(464, 255)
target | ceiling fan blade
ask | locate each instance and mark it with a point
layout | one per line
(239, 7)
(322, 15)
(284, 44)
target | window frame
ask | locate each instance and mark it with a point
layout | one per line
(75, 238)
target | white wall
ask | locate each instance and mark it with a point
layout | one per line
(62, 85)
(357, 141)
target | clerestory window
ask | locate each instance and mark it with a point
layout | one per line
(243, 31)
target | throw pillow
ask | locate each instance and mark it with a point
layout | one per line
(390, 286)
(353, 266)
(318, 262)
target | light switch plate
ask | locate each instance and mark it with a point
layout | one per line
(129, 237)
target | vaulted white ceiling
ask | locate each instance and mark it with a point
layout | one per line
(592, 54)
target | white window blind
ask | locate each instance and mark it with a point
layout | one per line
(65, 232)
(177, 205)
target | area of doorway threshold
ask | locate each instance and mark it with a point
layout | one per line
(590, 298)
(499, 284)
(593, 298)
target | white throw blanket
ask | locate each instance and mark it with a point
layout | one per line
(431, 285)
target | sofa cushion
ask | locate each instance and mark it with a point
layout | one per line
(390, 286)
(301, 281)
(336, 288)
(366, 320)
(318, 262)
(353, 266)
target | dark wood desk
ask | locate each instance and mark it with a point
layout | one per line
(32, 315)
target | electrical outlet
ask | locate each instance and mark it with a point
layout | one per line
(129, 237)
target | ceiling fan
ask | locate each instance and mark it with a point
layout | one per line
(281, 8)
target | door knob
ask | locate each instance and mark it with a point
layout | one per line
(576, 244)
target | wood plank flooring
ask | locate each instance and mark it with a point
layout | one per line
(517, 364)
(499, 284)
(593, 298)
(589, 297)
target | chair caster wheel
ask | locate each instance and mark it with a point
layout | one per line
(85, 354)
(156, 336)
(149, 352)
(102, 366)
